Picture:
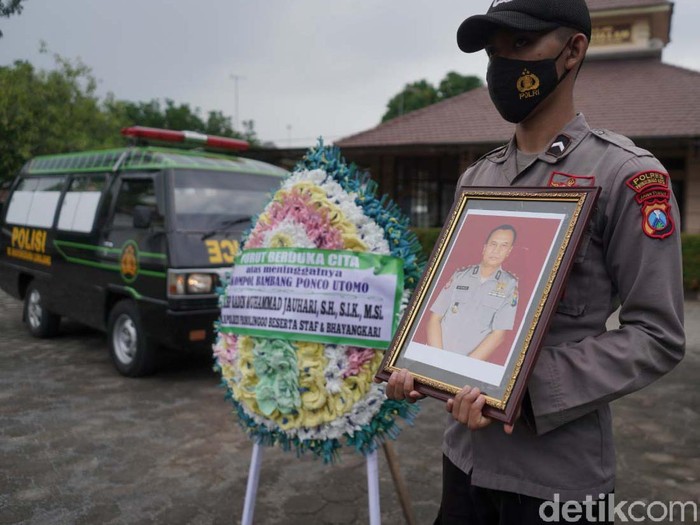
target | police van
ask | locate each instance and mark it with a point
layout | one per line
(131, 241)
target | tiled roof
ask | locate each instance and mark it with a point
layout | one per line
(638, 98)
(597, 5)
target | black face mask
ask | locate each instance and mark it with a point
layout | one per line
(518, 86)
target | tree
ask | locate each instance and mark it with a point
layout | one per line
(179, 117)
(455, 84)
(58, 111)
(50, 112)
(422, 93)
(413, 96)
(9, 8)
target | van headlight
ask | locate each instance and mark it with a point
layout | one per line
(195, 283)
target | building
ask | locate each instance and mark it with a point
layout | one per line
(624, 86)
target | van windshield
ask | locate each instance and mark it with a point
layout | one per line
(212, 200)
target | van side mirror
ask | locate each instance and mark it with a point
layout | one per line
(143, 216)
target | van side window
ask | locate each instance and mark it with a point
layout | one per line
(34, 201)
(132, 193)
(80, 203)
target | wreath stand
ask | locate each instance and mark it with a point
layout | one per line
(372, 485)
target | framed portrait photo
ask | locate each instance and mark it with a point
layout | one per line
(489, 292)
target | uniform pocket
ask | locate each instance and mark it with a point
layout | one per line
(576, 292)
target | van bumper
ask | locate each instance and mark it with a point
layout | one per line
(190, 329)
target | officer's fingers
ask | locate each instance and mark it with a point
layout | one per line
(462, 404)
(393, 391)
(407, 383)
(477, 419)
(409, 391)
(415, 395)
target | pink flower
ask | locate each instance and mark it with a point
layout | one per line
(225, 348)
(357, 357)
(298, 207)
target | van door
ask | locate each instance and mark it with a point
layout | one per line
(134, 240)
(27, 234)
(79, 276)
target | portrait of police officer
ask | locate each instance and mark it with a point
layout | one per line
(561, 444)
(476, 308)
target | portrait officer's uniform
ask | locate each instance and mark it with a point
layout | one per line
(471, 307)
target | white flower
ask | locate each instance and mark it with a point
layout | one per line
(315, 176)
(291, 230)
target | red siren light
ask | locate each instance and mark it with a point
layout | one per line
(185, 137)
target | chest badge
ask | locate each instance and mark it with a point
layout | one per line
(499, 291)
(566, 180)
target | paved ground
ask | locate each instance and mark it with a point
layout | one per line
(81, 444)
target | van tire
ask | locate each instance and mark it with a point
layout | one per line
(132, 353)
(41, 322)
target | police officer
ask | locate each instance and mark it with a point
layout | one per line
(477, 306)
(561, 446)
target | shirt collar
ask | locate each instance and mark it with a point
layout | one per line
(564, 143)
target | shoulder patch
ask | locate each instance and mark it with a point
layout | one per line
(653, 193)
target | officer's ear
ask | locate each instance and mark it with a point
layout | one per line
(576, 52)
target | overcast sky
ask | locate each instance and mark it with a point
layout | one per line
(306, 67)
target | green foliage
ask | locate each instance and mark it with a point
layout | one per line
(691, 261)
(9, 8)
(422, 93)
(414, 96)
(179, 117)
(455, 84)
(427, 238)
(50, 112)
(58, 111)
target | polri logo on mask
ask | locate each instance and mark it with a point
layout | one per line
(528, 85)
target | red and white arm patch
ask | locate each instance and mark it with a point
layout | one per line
(653, 194)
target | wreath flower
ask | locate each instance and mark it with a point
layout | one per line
(312, 397)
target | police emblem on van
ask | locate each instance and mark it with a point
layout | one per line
(129, 261)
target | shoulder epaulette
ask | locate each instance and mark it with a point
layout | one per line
(511, 274)
(620, 141)
(499, 149)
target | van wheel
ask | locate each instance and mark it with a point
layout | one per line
(129, 347)
(40, 322)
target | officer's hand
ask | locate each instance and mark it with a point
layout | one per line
(466, 408)
(400, 386)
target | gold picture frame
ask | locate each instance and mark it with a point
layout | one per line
(491, 287)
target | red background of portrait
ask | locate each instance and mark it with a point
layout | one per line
(535, 236)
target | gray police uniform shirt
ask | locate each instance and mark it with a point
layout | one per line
(563, 441)
(471, 307)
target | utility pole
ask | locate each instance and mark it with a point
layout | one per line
(236, 78)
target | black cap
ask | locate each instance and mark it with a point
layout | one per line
(523, 15)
